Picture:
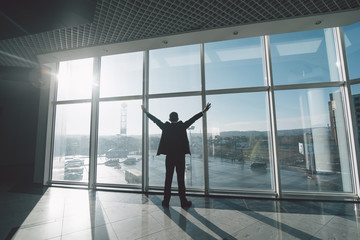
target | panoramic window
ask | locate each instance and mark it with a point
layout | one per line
(119, 152)
(312, 136)
(121, 75)
(238, 142)
(352, 46)
(312, 144)
(304, 57)
(186, 107)
(234, 64)
(174, 69)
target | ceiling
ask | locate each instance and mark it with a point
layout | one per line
(30, 30)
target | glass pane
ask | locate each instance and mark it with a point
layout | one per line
(186, 107)
(121, 75)
(175, 69)
(71, 142)
(238, 142)
(119, 159)
(304, 57)
(75, 79)
(313, 150)
(355, 91)
(352, 48)
(234, 64)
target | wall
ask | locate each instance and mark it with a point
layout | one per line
(19, 103)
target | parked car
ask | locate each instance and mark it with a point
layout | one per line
(258, 166)
(112, 162)
(73, 168)
(116, 153)
(130, 161)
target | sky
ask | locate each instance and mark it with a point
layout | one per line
(304, 57)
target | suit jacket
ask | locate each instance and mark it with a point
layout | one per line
(174, 140)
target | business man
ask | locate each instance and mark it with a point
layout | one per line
(175, 144)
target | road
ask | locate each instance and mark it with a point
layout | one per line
(223, 174)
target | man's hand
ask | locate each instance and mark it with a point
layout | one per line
(143, 108)
(206, 108)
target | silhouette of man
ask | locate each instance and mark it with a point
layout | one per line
(175, 144)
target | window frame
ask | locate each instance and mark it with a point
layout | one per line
(344, 83)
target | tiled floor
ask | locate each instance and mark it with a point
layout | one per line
(63, 213)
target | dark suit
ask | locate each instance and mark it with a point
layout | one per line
(174, 144)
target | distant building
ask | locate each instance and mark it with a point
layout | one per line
(332, 109)
(356, 102)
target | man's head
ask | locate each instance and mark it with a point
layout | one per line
(173, 117)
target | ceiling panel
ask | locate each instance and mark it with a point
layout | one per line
(116, 21)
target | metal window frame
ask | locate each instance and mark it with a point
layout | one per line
(276, 180)
(145, 122)
(50, 147)
(204, 121)
(94, 124)
(269, 88)
(349, 107)
(50, 129)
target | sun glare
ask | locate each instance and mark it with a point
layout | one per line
(75, 79)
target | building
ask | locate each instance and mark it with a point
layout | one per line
(356, 104)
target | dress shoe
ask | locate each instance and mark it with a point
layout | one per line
(165, 204)
(186, 204)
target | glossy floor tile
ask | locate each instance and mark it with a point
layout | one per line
(64, 213)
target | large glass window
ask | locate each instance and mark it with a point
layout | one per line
(234, 64)
(119, 158)
(312, 144)
(72, 123)
(75, 79)
(355, 91)
(238, 142)
(186, 107)
(175, 69)
(71, 142)
(352, 46)
(304, 57)
(121, 75)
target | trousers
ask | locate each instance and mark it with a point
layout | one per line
(175, 162)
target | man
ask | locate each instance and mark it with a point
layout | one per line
(175, 144)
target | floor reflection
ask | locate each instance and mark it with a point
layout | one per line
(64, 213)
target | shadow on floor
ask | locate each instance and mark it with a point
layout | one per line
(18, 197)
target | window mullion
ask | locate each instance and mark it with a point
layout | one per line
(145, 130)
(204, 119)
(349, 110)
(273, 127)
(51, 127)
(94, 122)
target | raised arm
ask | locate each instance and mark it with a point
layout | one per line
(152, 117)
(189, 122)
